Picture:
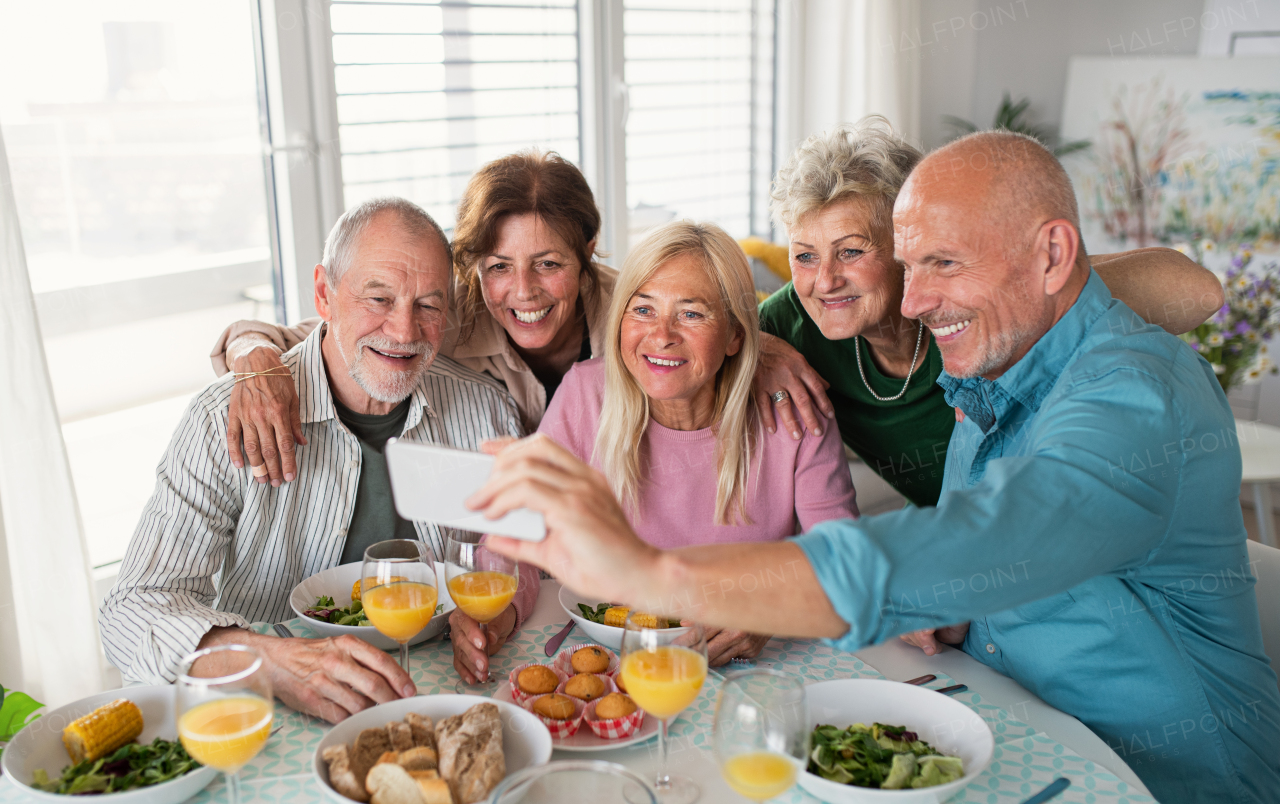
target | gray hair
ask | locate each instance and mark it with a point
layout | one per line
(344, 237)
(864, 160)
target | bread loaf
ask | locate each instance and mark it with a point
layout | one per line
(470, 749)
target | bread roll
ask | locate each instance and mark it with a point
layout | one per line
(418, 759)
(434, 791)
(340, 776)
(400, 734)
(388, 783)
(470, 747)
(369, 746)
(388, 756)
(422, 729)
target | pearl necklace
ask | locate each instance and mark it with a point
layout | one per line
(910, 371)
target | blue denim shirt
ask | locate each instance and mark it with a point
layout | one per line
(1089, 528)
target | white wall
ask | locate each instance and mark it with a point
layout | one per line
(974, 50)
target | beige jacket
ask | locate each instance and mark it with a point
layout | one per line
(487, 350)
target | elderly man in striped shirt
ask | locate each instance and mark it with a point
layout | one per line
(215, 550)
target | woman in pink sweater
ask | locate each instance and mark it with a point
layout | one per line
(667, 415)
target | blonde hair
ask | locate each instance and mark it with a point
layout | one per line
(865, 160)
(625, 412)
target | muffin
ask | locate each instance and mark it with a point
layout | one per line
(584, 687)
(554, 706)
(613, 706)
(537, 680)
(619, 683)
(591, 659)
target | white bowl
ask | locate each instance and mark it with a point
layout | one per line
(39, 745)
(525, 741)
(336, 583)
(946, 724)
(608, 635)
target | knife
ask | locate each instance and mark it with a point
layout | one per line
(1058, 785)
(554, 643)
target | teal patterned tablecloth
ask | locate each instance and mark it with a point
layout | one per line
(1025, 760)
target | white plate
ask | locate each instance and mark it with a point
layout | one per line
(336, 583)
(39, 745)
(946, 724)
(525, 741)
(585, 739)
(608, 635)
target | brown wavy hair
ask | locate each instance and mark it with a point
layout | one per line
(532, 181)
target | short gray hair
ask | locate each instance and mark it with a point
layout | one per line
(344, 237)
(864, 160)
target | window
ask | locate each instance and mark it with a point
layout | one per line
(666, 105)
(428, 92)
(132, 135)
(699, 130)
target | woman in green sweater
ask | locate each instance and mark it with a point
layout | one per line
(841, 313)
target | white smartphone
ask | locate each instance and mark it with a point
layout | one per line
(430, 484)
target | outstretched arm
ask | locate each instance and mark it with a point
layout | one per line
(1164, 286)
(264, 409)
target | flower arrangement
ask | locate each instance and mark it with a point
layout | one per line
(1234, 339)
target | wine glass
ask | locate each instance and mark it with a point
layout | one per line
(571, 780)
(224, 709)
(664, 670)
(481, 583)
(761, 732)
(398, 590)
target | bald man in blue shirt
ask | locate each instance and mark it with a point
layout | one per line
(1088, 542)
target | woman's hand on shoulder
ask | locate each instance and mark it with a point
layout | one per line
(782, 368)
(264, 415)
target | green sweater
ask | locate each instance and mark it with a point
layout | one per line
(904, 441)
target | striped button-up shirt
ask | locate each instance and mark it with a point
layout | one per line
(216, 548)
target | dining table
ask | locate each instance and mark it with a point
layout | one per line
(1034, 743)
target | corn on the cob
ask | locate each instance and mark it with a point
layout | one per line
(103, 730)
(617, 617)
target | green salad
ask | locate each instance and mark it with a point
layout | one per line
(131, 767)
(887, 757)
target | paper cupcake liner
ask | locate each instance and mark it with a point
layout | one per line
(560, 729)
(609, 686)
(564, 659)
(519, 695)
(614, 729)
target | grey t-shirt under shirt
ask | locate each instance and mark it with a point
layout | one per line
(374, 518)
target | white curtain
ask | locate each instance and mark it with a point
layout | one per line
(861, 57)
(51, 637)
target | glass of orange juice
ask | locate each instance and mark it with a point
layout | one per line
(398, 590)
(481, 583)
(664, 670)
(225, 709)
(761, 732)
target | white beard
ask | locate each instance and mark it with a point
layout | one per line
(385, 385)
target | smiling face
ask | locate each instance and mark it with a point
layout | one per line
(386, 316)
(530, 283)
(982, 307)
(675, 337)
(848, 285)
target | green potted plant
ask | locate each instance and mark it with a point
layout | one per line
(17, 709)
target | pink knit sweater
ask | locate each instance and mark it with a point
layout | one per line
(793, 485)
